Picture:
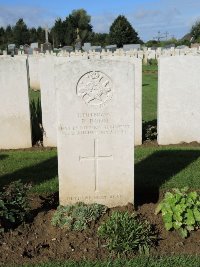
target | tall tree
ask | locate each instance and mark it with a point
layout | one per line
(21, 33)
(81, 20)
(99, 39)
(2, 37)
(33, 35)
(9, 35)
(58, 33)
(40, 35)
(121, 32)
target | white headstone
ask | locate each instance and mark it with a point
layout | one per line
(15, 128)
(178, 100)
(48, 100)
(95, 108)
(33, 62)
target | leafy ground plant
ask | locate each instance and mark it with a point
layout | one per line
(180, 211)
(149, 130)
(13, 205)
(125, 232)
(77, 217)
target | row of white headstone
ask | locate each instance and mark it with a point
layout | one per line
(178, 89)
(145, 55)
(90, 113)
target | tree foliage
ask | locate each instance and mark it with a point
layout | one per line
(195, 31)
(121, 32)
(64, 32)
(79, 19)
(99, 39)
(21, 34)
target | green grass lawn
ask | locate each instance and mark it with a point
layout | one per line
(38, 167)
(34, 95)
(149, 93)
(159, 168)
(182, 261)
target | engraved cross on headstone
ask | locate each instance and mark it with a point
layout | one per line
(96, 159)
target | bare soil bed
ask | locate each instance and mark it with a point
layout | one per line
(38, 241)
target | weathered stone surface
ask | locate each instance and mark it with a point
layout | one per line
(95, 102)
(178, 100)
(15, 129)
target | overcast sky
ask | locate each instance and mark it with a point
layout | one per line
(146, 16)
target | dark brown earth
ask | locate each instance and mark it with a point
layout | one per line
(38, 241)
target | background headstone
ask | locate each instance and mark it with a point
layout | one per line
(178, 100)
(15, 128)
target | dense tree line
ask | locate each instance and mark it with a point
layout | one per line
(64, 32)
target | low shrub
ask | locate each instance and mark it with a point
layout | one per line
(77, 217)
(13, 205)
(149, 130)
(125, 232)
(180, 211)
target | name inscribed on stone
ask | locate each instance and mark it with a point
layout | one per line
(94, 123)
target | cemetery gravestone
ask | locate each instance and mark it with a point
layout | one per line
(178, 100)
(15, 126)
(127, 47)
(86, 47)
(95, 114)
(111, 48)
(48, 99)
(33, 62)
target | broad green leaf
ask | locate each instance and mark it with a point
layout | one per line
(167, 218)
(177, 225)
(197, 214)
(190, 228)
(190, 217)
(177, 217)
(183, 232)
(193, 195)
(168, 226)
(168, 195)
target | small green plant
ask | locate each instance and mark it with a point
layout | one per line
(180, 211)
(149, 130)
(77, 217)
(13, 205)
(125, 232)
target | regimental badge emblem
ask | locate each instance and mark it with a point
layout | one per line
(95, 88)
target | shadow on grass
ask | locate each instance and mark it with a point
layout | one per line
(158, 168)
(145, 84)
(34, 174)
(2, 157)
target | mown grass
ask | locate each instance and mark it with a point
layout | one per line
(156, 168)
(34, 95)
(182, 261)
(149, 92)
(38, 167)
